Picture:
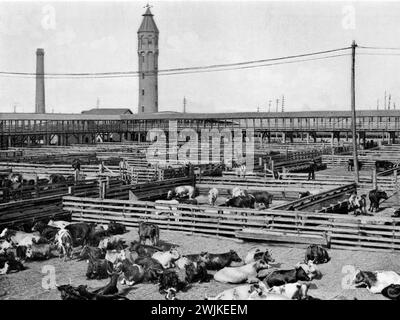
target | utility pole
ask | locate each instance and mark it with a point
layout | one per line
(269, 105)
(390, 98)
(353, 110)
(184, 104)
(277, 105)
(377, 104)
(283, 103)
(258, 109)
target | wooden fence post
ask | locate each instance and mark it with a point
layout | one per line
(374, 179)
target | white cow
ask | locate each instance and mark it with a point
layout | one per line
(242, 292)
(376, 281)
(167, 258)
(248, 273)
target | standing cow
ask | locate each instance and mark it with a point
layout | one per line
(212, 196)
(375, 196)
(149, 231)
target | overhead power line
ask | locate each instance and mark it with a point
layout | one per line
(215, 67)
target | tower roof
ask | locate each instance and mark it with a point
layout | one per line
(148, 24)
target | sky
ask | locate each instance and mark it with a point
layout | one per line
(95, 36)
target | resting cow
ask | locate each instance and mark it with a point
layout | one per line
(296, 291)
(316, 254)
(221, 260)
(242, 292)
(281, 277)
(376, 281)
(167, 258)
(392, 292)
(258, 254)
(241, 274)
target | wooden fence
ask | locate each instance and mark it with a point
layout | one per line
(26, 211)
(342, 231)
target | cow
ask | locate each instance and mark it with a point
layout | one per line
(115, 228)
(256, 254)
(295, 291)
(80, 232)
(266, 296)
(311, 269)
(241, 292)
(316, 254)
(241, 202)
(237, 192)
(172, 278)
(98, 268)
(115, 256)
(4, 246)
(132, 273)
(65, 243)
(95, 252)
(212, 196)
(392, 292)
(21, 238)
(143, 250)
(167, 258)
(375, 281)
(248, 273)
(357, 204)
(281, 277)
(8, 264)
(41, 251)
(58, 223)
(199, 257)
(221, 260)
(303, 194)
(46, 231)
(262, 197)
(374, 197)
(196, 272)
(183, 192)
(149, 231)
(153, 268)
(112, 243)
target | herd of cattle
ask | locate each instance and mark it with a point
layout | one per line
(151, 261)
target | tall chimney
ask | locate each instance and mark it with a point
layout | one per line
(40, 106)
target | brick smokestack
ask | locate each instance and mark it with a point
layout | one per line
(40, 106)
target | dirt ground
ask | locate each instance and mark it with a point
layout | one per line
(28, 284)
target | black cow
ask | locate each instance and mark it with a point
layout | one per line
(188, 201)
(132, 273)
(8, 263)
(172, 278)
(152, 268)
(46, 231)
(241, 202)
(281, 277)
(116, 228)
(304, 194)
(56, 178)
(392, 292)
(95, 252)
(98, 268)
(80, 232)
(143, 250)
(199, 257)
(375, 196)
(149, 231)
(221, 260)
(316, 254)
(196, 272)
(262, 197)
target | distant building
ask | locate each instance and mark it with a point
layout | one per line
(148, 64)
(108, 111)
